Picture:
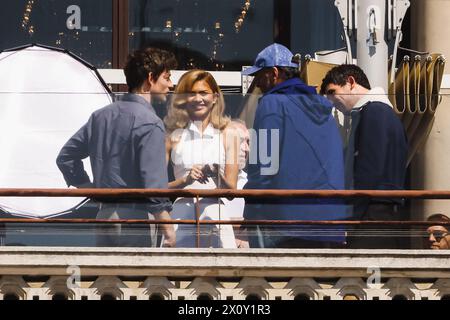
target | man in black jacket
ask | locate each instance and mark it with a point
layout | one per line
(376, 149)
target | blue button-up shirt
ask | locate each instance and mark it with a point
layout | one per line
(125, 142)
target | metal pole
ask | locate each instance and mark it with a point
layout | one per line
(197, 220)
(372, 48)
(2, 234)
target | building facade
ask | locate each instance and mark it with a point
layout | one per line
(211, 274)
(224, 36)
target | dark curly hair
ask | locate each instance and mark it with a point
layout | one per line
(144, 61)
(339, 76)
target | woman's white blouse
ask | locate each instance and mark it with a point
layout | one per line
(196, 148)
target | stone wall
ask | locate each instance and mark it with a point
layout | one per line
(191, 274)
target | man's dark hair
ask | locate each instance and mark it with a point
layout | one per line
(287, 73)
(438, 217)
(141, 62)
(339, 76)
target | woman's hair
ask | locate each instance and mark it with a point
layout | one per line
(177, 116)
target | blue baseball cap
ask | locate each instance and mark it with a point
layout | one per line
(275, 55)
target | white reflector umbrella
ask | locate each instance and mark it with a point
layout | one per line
(46, 95)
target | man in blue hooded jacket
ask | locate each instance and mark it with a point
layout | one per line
(295, 129)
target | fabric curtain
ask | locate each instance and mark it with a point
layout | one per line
(415, 96)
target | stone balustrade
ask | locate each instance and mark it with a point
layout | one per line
(41, 273)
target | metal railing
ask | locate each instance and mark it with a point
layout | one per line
(223, 193)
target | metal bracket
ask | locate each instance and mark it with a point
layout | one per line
(400, 9)
(343, 6)
(396, 13)
(346, 9)
(373, 13)
(398, 39)
(397, 10)
(347, 12)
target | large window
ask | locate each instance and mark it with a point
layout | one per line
(81, 26)
(315, 26)
(214, 35)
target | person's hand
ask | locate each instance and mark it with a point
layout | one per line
(242, 239)
(242, 244)
(196, 174)
(168, 230)
(169, 236)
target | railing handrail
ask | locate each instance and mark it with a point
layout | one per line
(218, 193)
(223, 222)
(224, 193)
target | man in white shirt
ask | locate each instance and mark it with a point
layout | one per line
(236, 206)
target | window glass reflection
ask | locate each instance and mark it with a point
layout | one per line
(315, 26)
(212, 35)
(81, 26)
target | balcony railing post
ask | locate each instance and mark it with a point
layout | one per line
(2, 234)
(197, 220)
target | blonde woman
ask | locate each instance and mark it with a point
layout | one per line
(201, 155)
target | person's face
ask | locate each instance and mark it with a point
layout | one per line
(265, 79)
(439, 238)
(244, 146)
(161, 86)
(200, 101)
(341, 97)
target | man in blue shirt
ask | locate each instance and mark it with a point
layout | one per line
(294, 127)
(125, 143)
